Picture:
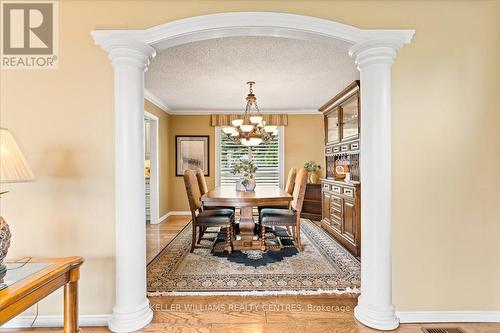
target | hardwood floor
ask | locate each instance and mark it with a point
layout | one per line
(159, 235)
(239, 314)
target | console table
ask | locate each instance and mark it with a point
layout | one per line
(27, 282)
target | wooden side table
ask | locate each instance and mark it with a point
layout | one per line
(27, 283)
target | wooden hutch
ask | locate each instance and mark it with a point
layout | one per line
(341, 203)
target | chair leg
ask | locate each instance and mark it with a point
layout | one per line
(262, 238)
(200, 228)
(193, 239)
(299, 243)
(229, 240)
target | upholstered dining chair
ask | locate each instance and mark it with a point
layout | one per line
(290, 182)
(206, 218)
(273, 217)
(202, 184)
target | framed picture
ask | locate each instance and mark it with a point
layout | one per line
(192, 152)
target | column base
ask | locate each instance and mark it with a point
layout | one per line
(124, 322)
(380, 319)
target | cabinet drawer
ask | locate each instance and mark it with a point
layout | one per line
(336, 149)
(349, 192)
(336, 213)
(326, 187)
(355, 146)
(336, 189)
(328, 150)
(336, 223)
(344, 148)
(336, 201)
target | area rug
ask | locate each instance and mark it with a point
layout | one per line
(323, 267)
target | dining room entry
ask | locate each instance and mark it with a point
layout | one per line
(371, 52)
(266, 175)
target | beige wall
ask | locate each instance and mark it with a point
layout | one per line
(164, 154)
(304, 141)
(188, 125)
(446, 127)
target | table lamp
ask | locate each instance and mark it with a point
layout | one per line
(13, 169)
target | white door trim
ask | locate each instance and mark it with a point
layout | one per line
(154, 178)
(281, 149)
(373, 51)
(217, 155)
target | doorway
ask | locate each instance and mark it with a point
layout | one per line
(151, 165)
(373, 52)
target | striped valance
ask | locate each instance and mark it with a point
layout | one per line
(270, 119)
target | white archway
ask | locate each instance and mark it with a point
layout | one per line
(373, 51)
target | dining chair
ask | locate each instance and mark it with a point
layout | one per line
(290, 182)
(202, 184)
(206, 218)
(273, 217)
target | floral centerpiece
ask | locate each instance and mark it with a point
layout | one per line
(247, 170)
(313, 170)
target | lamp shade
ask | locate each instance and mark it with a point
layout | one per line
(13, 165)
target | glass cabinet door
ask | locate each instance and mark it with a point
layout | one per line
(332, 127)
(350, 121)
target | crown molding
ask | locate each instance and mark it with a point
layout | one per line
(162, 105)
(214, 111)
(157, 101)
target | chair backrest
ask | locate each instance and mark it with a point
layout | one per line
(202, 184)
(192, 190)
(290, 181)
(299, 190)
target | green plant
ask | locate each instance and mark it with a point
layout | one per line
(246, 168)
(312, 166)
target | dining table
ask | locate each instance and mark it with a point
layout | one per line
(245, 201)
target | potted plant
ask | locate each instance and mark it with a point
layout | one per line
(313, 170)
(247, 170)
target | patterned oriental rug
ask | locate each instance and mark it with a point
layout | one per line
(324, 267)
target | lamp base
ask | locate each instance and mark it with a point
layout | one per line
(4, 240)
(3, 272)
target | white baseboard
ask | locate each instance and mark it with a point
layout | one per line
(162, 218)
(449, 316)
(175, 213)
(404, 316)
(55, 321)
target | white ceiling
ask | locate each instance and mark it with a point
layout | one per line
(210, 76)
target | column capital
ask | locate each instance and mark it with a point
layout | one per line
(128, 52)
(375, 51)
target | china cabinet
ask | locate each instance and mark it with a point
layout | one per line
(341, 189)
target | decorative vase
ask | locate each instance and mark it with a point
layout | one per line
(250, 184)
(314, 178)
(239, 185)
(4, 244)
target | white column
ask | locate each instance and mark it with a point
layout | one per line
(374, 59)
(130, 60)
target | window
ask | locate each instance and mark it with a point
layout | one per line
(268, 157)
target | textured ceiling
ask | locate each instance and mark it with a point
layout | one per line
(210, 75)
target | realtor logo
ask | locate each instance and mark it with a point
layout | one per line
(29, 34)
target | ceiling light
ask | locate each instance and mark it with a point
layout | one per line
(252, 130)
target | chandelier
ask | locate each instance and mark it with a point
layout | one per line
(251, 130)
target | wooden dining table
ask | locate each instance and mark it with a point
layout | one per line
(263, 195)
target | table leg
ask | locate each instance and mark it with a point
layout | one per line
(247, 224)
(71, 302)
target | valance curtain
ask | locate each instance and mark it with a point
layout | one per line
(270, 119)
